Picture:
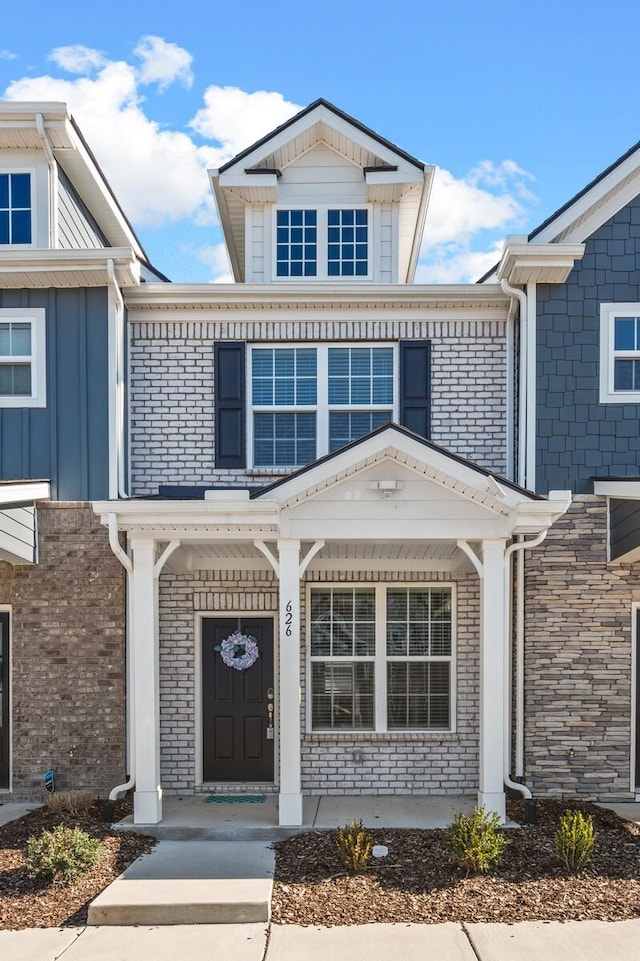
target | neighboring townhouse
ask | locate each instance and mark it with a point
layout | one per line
(581, 406)
(66, 250)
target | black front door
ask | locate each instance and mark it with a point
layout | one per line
(237, 725)
(4, 699)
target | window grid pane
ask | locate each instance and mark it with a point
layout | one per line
(296, 243)
(418, 695)
(345, 427)
(284, 378)
(343, 622)
(15, 208)
(283, 439)
(348, 243)
(343, 695)
(418, 622)
(361, 375)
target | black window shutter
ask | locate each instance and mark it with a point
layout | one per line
(415, 386)
(229, 386)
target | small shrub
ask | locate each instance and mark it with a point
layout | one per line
(70, 802)
(354, 843)
(474, 841)
(61, 855)
(575, 840)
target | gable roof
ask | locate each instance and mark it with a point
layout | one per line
(591, 207)
(259, 175)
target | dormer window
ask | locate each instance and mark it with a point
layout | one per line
(327, 243)
(15, 208)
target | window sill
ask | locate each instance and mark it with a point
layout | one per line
(270, 471)
(318, 737)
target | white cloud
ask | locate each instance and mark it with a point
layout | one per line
(163, 63)
(216, 258)
(235, 119)
(160, 176)
(77, 58)
(8, 55)
(468, 218)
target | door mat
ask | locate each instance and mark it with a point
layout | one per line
(235, 799)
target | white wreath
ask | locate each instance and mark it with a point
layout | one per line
(239, 651)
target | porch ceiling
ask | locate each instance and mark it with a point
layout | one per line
(334, 556)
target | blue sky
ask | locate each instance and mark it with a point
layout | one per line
(519, 105)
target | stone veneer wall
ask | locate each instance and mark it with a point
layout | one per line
(172, 390)
(391, 764)
(67, 656)
(578, 659)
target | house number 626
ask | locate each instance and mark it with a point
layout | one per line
(288, 618)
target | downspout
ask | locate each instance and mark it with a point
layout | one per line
(519, 545)
(53, 182)
(125, 560)
(522, 379)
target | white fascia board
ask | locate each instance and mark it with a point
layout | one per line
(535, 516)
(196, 514)
(322, 114)
(219, 196)
(240, 179)
(557, 260)
(32, 262)
(627, 489)
(408, 176)
(21, 492)
(589, 212)
(425, 196)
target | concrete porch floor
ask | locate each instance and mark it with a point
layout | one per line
(191, 817)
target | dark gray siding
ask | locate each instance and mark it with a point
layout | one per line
(577, 436)
(77, 228)
(624, 526)
(67, 441)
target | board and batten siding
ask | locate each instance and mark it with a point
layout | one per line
(77, 229)
(65, 442)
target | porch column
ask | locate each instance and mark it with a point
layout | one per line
(290, 800)
(147, 798)
(492, 650)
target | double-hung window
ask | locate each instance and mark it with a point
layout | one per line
(308, 401)
(381, 658)
(620, 353)
(323, 243)
(15, 208)
(22, 357)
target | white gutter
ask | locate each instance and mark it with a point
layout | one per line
(53, 182)
(116, 383)
(530, 379)
(520, 545)
(522, 378)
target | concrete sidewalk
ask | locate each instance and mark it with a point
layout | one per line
(528, 941)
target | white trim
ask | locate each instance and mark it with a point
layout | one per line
(380, 658)
(635, 694)
(21, 491)
(37, 359)
(628, 489)
(532, 384)
(198, 618)
(608, 314)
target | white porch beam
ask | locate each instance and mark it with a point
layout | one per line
(290, 799)
(147, 798)
(492, 636)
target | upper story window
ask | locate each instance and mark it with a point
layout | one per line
(307, 401)
(15, 208)
(323, 243)
(22, 358)
(297, 243)
(620, 353)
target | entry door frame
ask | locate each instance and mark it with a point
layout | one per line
(7, 697)
(199, 617)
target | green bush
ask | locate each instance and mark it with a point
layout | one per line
(575, 840)
(474, 841)
(61, 855)
(354, 843)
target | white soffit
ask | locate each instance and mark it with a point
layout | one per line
(526, 263)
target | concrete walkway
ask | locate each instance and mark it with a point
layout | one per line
(529, 941)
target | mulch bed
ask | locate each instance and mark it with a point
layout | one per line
(418, 881)
(27, 903)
